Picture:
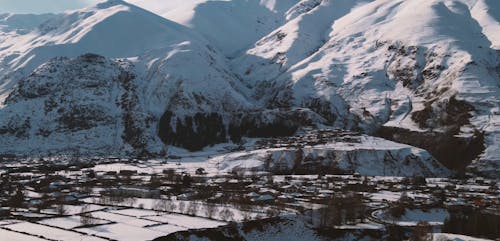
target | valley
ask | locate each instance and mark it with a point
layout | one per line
(251, 120)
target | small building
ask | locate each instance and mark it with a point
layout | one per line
(266, 198)
(4, 211)
(291, 188)
(135, 192)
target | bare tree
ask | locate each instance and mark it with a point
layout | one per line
(160, 206)
(61, 209)
(171, 206)
(17, 200)
(272, 212)
(227, 215)
(422, 232)
(182, 206)
(211, 210)
(247, 216)
(86, 217)
(192, 208)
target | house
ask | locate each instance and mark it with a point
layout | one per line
(266, 198)
(4, 211)
(290, 188)
(325, 193)
(128, 172)
(57, 184)
(269, 191)
(286, 198)
(252, 195)
(186, 196)
(135, 192)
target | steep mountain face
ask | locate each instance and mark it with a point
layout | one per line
(373, 66)
(425, 74)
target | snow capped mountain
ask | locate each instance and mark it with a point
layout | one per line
(128, 94)
(199, 72)
(375, 61)
(231, 26)
(114, 29)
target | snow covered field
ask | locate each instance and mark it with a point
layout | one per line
(455, 237)
(50, 232)
(411, 218)
(122, 224)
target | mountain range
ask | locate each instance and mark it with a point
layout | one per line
(131, 78)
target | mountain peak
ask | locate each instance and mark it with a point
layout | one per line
(114, 29)
(111, 3)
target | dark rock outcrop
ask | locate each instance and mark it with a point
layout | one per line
(454, 152)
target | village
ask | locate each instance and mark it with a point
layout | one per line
(156, 198)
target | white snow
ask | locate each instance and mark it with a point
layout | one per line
(365, 157)
(13, 236)
(123, 232)
(230, 25)
(167, 228)
(455, 237)
(187, 222)
(394, 196)
(141, 224)
(149, 207)
(124, 219)
(114, 29)
(68, 222)
(51, 233)
(138, 213)
(73, 209)
(412, 217)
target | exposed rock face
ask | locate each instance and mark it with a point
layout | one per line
(452, 151)
(446, 144)
(62, 101)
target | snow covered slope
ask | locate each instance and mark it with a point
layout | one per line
(429, 66)
(113, 29)
(348, 154)
(21, 23)
(230, 25)
(294, 41)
